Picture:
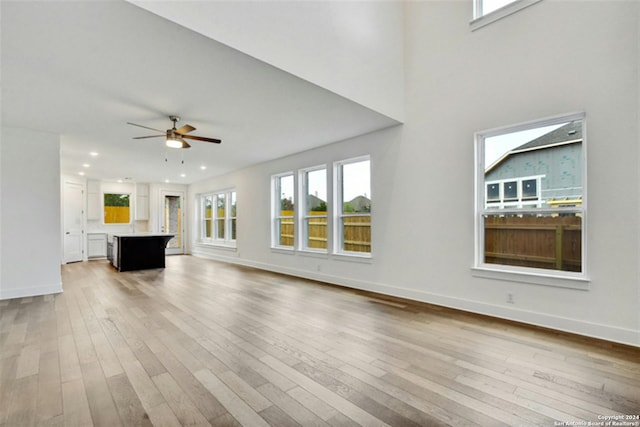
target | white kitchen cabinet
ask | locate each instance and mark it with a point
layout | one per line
(142, 202)
(93, 201)
(96, 245)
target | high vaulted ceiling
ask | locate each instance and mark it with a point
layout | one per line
(84, 69)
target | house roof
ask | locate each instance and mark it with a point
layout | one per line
(570, 133)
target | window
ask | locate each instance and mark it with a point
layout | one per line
(488, 11)
(207, 216)
(220, 215)
(531, 206)
(117, 208)
(217, 225)
(337, 224)
(284, 211)
(314, 216)
(353, 206)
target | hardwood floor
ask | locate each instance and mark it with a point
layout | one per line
(207, 343)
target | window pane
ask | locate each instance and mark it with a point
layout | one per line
(207, 229)
(356, 188)
(356, 233)
(511, 190)
(316, 232)
(529, 189)
(233, 204)
(287, 198)
(220, 229)
(116, 208)
(285, 231)
(220, 206)
(537, 241)
(493, 192)
(233, 229)
(542, 164)
(208, 203)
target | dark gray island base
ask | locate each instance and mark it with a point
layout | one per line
(128, 252)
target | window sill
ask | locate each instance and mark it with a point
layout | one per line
(214, 245)
(314, 254)
(282, 250)
(533, 276)
(498, 14)
(354, 257)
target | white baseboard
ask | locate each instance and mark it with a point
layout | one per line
(564, 324)
(32, 291)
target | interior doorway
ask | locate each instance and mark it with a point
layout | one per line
(173, 220)
(73, 221)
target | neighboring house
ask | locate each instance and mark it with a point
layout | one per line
(360, 204)
(316, 203)
(544, 172)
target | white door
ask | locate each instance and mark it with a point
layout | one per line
(73, 222)
(172, 220)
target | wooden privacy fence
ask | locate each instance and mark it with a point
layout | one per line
(539, 242)
(356, 232)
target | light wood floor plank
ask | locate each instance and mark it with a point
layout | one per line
(207, 343)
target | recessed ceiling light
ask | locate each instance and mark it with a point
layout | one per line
(86, 165)
(93, 154)
(203, 167)
(166, 180)
(81, 173)
(182, 175)
(120, 180)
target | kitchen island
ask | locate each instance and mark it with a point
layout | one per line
(137, 251)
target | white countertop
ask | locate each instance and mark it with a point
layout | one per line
(142, 234)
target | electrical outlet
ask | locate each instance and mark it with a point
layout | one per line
(510, 298)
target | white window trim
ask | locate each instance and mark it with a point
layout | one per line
(302, 213)
(546, 277)
(337, 209)
(520, 202)
(480, 21)
(227, 242)
(275, 212)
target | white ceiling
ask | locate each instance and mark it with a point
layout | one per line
(84, 69)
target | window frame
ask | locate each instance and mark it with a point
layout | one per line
(481, 19)
(542, 276)
(303, 214)
(276, 211)
(338, 213)
(214, 240)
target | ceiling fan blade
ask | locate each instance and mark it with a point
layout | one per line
(150, 136)
(185, 129)
(202, 138)
(146, 127)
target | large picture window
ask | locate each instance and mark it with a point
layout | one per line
(217, 217)
(531, 197)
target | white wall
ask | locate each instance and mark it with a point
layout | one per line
(30, 213)
(354, 49)
(459, 82)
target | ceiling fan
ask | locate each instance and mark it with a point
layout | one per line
(176, 137)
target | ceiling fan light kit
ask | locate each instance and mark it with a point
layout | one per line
(175, 138)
